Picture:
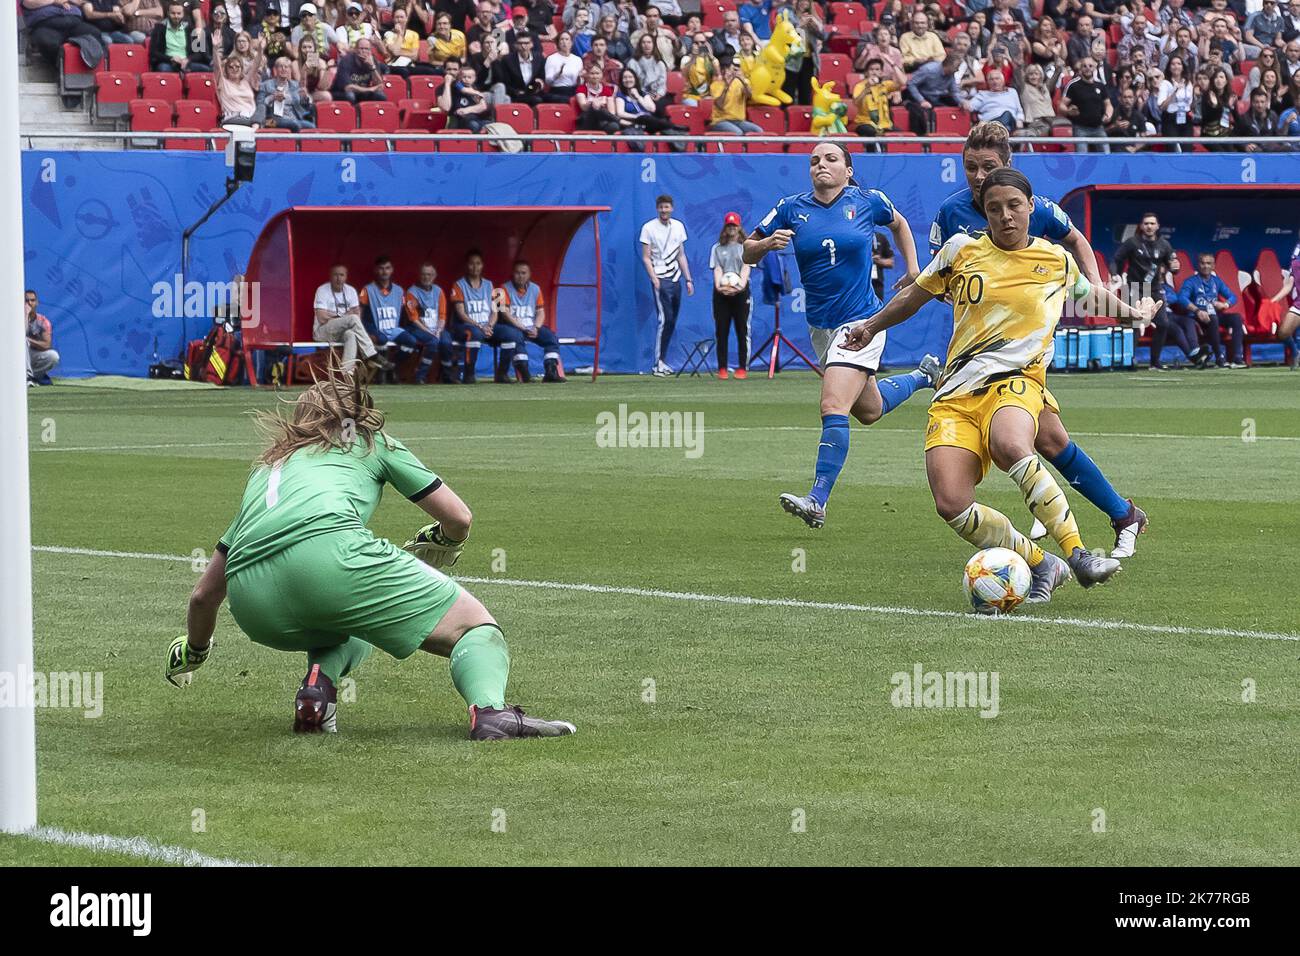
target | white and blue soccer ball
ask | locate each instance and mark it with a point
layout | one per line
(996, 580)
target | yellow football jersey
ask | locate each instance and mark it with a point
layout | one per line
(1005, 305)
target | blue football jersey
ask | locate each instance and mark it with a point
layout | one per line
(958, 213)
(832, 245)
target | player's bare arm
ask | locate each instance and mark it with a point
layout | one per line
(757, 245)
(1078, 246)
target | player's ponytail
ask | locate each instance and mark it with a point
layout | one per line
(335, 412)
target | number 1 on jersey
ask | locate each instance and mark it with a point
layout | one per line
(830, 244)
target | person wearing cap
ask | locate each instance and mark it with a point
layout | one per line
(355, 25)
(519, 27)
(310, 24)
(732, 303)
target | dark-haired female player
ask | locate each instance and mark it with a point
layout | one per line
(1007, 289)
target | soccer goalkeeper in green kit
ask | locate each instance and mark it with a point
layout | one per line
(304, 573)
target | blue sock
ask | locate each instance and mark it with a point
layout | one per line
(1083, 474)
(897, 389)
(831, 452)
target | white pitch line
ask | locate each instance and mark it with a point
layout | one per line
(1098, 625)
(137, 847)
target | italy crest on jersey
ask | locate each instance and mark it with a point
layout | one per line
(849, 212)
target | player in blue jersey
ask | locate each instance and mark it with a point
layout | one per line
(988, 147)
(833, 228)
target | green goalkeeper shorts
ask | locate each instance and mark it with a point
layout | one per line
(323, 590)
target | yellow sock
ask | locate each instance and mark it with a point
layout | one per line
(986, 528)
(1046, 501)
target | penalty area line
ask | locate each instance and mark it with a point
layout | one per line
(739, 599)
(137, 847)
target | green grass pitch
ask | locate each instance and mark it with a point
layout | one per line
(771, 738)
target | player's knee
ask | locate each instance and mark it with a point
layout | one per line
(868, 416)
(1051, 442)
(950, 505)
(1006, 453)
(831, 405)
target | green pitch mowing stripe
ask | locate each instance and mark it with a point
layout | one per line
(732, 674)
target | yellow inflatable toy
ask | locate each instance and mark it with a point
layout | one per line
(829, 109)
(768, 74)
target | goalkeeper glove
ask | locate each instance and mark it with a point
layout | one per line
(434, 548)
(183, 661)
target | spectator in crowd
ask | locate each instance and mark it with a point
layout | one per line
(1173, 323)
(519, 26)
(997, 104)
(142, 16)
(522, 72)
(1218, 108)
(748, 55)
(1080, 44)
(446, 43)
(671, 12)
(663, 252)
(599, 56)
(358, 78)
(1142, 255)
(1268, 60)
(221, 36)
(583, 32)
(236, 94)
(425, 306)
(732, 304)
(1036, 103)
(627, 20)
(1209, 298)
(338, 321)
(1291, 98)
(920, 45)
(999, 61)
(563, 71)
(1290, 64)
(639, 108)
(467, 106)
(1175, 12)
(1177, 97)
(1260, 122)
(401, 47)
(970, 73)
(726, 42)
(1265, 29)
(460, 11)
(274, 40)
(1291, 21)
(980, 38)
(420, 15)
(485, 29)
(315, 72)
(311, 25)
(1149, 97)
(282, 102)
(51, 23)
(932, 84)
(754, 14)
(474, 320)
(107, 17)
(573, 6)
(41, 357)
(1220, 38)
(882, 48)
(1048, 50)
(1181, 45)
(617, 46)
(875, 98)
(523, 308)
(354, 28)
(1087, 105)
(175, 46)
(731, 103)
(1129, 121)
(651, 72)
(1271, 84)
(699, 68)
(665, 39)
(598, 106)
(1139, 37)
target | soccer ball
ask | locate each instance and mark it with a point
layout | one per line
(731, 279)
(996, 581)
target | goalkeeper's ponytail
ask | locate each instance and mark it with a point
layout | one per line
(335, 412)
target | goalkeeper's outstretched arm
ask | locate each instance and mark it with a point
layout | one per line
(444, 506)
(205, 601)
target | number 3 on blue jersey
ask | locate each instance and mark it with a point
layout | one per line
(830, 244)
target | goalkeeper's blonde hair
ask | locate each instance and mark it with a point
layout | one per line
(335, 412)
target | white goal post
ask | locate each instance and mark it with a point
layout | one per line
(17, 715)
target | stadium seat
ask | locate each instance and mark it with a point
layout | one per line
(161, 86)
(951, 121)
(518, 116)
(1185, 268)
(430, 120)
(113, 95)
(834, 66)
(338, 117)
(378, 117)
(899, 117)
(199, 142)
(378, 144)
(675, 85)
(267, 143)
(1226, 267)
(1239, 83)
(550, 145)
(313, 141)
(200, 86)
(798, 119)
(753, 145)
(395, 87)
(596, 144)
(198, 113)
(724, 143)
(843, 14)
(891, 146)
(448, 145)
(74, 75)
(691, 117)
(713, 13)
(150, 116)
(425, 87)
(558, 116)
(1268, 274)
(128, 58)
(412, 108)
(425, 144)
(770, 118)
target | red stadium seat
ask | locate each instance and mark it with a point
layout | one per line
(766, 146)
(1268, 274)
(379, 144)
(150, 116)
(518, 116)
(160, 86)
(596, 144)
(843, 14)
(770, 118)
(316, 142)
(675, 85)
(557, 116)
(798, 119)
(338, 117)
(379, 117)
(199, 113)
(550, 145)
(267, 143)
(425, 144)
(113, 93)
(425, 87)
(898, 115)
(1226, 267)
(892, 146)
(691, 117)
(74, 75)
(430, 120)
(200, 86)
(412, 106)
(725, 143)
(951, 121)
(128, 58)
(834, 67)
(395, 87)
(1239, 83)
(448, 145)
(198, 142)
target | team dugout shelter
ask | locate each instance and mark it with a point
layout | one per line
(296, 248)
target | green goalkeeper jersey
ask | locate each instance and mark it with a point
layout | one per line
(315, 492)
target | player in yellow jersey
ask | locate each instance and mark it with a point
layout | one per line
(1007, 290)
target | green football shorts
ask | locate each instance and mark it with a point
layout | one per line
(323, 590)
